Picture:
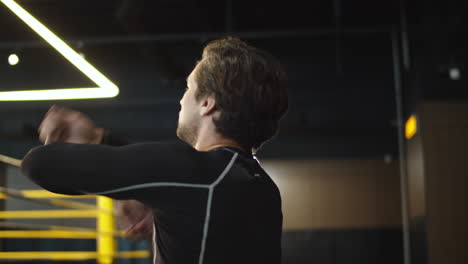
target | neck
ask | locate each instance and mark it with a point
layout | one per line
(209, 139)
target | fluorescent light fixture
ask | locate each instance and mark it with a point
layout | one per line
(105, 88)
(13, 59)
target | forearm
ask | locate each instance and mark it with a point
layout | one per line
(67, 168)
(39, 166)
(95, 168)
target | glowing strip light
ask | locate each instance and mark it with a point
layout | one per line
(105, 87)
(411, 127)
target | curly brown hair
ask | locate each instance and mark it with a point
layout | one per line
(250, 89)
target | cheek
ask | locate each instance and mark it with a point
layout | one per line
(181, 102)
(182, 113)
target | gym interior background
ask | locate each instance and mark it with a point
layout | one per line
(356, 188)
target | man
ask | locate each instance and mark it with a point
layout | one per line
(210, 199)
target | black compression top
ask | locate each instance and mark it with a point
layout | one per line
(215, 207)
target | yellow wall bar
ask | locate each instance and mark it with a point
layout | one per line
(105, 226)
(67, 255)
(47, 234)
(49, 214)
(46, 194)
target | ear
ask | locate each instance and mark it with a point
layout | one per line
(208, 106)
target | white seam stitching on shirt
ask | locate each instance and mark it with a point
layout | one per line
(147, 185)
(164, 184)
(226, 170)
(205, 227)
(208, 206)
(154, 241)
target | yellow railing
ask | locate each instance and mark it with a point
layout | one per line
(105, 233)
(105, 224)
(67, 255)
(42, 194)
(10, 161)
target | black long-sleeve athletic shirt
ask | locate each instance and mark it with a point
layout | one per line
(215, 207)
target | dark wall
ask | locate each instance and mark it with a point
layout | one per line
(437, 180)
(339, 211)
(343, 246)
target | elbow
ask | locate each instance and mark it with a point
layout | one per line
(37, 165)
(33, 165)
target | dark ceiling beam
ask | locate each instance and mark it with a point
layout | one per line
(228, 16)
(112, 103)
(131, 14)
(201, 36)
(140, 17)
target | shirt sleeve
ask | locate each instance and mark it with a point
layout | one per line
(111, 139)
(76, 169)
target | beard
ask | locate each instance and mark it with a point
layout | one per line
(188, 132)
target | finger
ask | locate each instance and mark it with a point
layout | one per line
(52, 110)
(45, 116)
(51, 127)
(143, 226)
(46, 127)
(54, 136)
(60, 111)
(134, 233)
(70, 116)
(43, 131)
(130, 232)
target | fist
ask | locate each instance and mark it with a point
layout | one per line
(135, 218)
(66, 125)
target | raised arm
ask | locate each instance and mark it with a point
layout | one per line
(66, 125)
(70, 168)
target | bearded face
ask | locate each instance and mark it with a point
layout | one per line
(189, 118)
(187, 128)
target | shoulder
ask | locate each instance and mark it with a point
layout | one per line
(178, 157)
(176, 149)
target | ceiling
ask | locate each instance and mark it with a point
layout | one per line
(339, 57)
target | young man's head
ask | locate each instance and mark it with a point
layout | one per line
(242, 89)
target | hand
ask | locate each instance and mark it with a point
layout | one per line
(135, 218)
(66, 125)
